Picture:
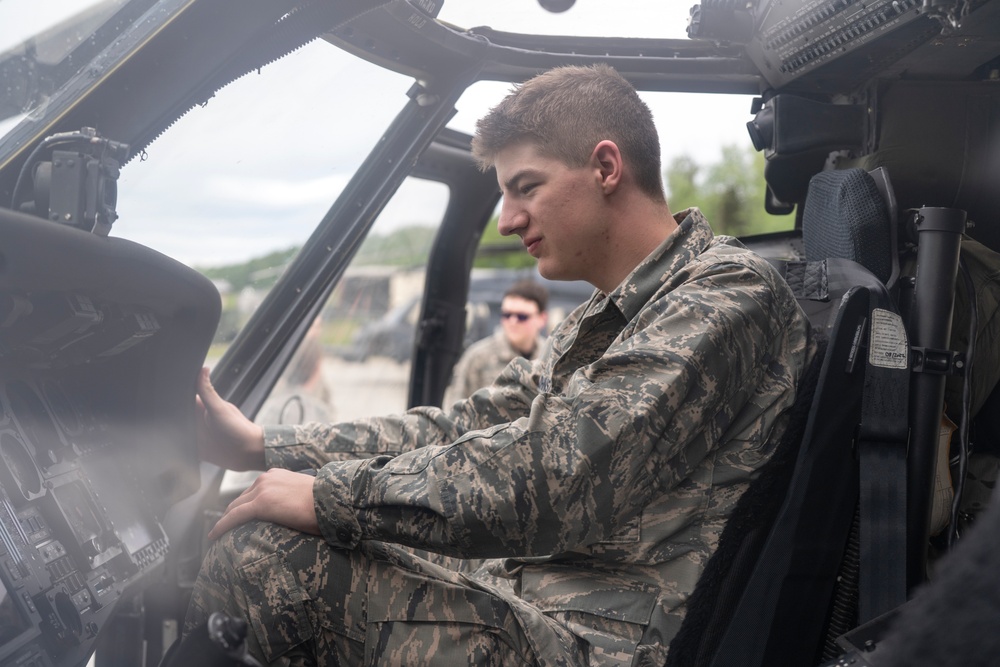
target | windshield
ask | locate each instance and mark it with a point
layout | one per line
(43, 45)
(252, 171)
(237, 185)
(256, 155)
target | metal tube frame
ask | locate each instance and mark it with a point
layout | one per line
(939, 231)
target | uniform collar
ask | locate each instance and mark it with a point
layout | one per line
(692, 236)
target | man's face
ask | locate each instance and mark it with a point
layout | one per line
(521, 322)
(556, 210)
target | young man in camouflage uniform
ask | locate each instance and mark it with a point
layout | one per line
(523, 315)
(594, 481)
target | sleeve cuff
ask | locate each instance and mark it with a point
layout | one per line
(276, 437)
(333, 497)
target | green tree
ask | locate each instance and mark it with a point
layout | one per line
(260, 272)
(681, 179)
(406, 246)
(729, 192)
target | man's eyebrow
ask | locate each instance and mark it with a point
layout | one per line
(511, 182)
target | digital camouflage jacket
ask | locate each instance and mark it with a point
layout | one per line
(596, 480)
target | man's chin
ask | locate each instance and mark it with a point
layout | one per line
(550, 271)
(556, 273)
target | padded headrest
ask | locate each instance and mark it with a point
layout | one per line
(846, 216)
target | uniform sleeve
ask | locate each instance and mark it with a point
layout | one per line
(313, 445)
(581, 463)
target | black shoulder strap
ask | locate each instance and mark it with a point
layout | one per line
(882, 433)
(882, 448)
(780, 616)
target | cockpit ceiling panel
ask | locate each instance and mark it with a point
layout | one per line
(839, 45)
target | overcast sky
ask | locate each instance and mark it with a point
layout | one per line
(256, 167)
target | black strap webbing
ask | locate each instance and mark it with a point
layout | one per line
(882, 449)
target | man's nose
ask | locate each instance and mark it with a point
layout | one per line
(512, 218)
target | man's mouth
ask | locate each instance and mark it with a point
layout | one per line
(531, 245)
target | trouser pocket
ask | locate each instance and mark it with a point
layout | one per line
(415, 619)
(276, 606)
(608, 616)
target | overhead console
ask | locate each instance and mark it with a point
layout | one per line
(796, 38)
(836, 47)
(101, 341)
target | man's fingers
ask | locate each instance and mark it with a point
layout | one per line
(233, 517)
(206, 390)
(238, 511)
(241, 510)
(279, 496)
(208, 400)
(241, 499)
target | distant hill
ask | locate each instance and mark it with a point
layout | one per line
(407, 246)
(260, 272)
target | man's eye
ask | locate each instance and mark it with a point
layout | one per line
(527, 188)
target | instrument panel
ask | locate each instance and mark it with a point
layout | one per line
(797, 38)
(101, 341)
(73, 532)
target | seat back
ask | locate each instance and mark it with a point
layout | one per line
(783, 582)
(766, 593)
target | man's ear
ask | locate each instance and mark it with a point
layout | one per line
(608, 159)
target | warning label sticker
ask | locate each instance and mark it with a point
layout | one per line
(888, 347)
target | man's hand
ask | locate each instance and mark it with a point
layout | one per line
(225, 436)
(279, 496)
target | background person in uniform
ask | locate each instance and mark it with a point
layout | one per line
(523, 317)
(594, 481)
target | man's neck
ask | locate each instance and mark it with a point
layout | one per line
(637, 229)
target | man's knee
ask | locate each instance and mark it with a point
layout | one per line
(220, 586)
(292, 589)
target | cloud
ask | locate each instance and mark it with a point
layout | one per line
(274, 193)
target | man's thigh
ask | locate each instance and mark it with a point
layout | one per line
(304, 602)
(307, 603)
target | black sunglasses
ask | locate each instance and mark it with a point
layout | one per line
(521, 317)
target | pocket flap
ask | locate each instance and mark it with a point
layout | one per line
(600, 594)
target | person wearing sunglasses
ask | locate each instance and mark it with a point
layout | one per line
(594, 481)
(523, 317)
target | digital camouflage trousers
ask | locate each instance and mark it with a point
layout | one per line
(310, 604)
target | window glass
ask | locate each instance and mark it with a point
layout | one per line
(43, 45)
(355, 360)
(237, 185)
